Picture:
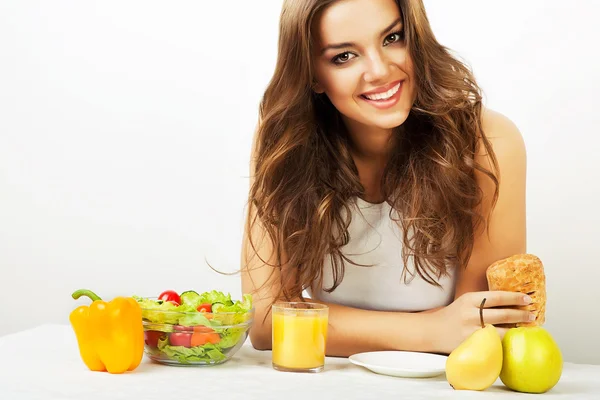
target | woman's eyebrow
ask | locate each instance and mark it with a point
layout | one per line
(338, 46)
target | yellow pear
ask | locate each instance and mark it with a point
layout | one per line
(477, 362)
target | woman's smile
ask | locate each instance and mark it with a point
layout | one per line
(384, 97)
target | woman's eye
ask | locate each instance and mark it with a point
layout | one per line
(394, 37)
(342, 58)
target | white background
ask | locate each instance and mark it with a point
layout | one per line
(125, 129)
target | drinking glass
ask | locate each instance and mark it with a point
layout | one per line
(299, 336)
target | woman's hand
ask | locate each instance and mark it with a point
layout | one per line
(460, 319)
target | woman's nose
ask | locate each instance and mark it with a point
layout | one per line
(378, 68)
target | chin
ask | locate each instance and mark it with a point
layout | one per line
(393, 120)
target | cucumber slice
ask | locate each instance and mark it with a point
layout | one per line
(190, 297)
(216, 307)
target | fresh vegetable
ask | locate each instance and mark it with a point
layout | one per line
(151, 338)
(200, 328)
(201, 338)
(180, 339)
(110, 335)
(208, 353)
(189, 297)
(170, 295)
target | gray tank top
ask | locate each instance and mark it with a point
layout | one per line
(375, 239)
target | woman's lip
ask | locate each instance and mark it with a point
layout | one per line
(382, 89)
(384, 104)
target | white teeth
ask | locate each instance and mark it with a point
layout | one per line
(385, 95)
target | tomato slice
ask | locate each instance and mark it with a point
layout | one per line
(152, 337)
(181, 328)
(180, 339)
(205, 307)
(170, 295)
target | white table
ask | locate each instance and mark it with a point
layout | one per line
(44, 363)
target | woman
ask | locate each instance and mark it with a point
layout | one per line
(379, 184)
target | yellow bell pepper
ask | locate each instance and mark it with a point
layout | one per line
(110, 335)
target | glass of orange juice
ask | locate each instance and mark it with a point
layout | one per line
(299, 336)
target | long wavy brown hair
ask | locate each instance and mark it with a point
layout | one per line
(305, 178)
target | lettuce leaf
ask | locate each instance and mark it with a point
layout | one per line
(242, 306)
(194, 319)
(215, 296)
(154, 311)
(238, 312)
(186, 355)
(230, 337)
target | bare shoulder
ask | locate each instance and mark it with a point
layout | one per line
(505, 137)
(508, 147)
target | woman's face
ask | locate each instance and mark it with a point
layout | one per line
(362, 63)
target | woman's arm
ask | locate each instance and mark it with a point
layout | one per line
(354, 330)
(507, 224)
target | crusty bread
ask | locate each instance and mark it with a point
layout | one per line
(521, 273)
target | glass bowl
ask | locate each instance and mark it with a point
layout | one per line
(194, 338)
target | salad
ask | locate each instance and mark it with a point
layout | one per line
(194, 328)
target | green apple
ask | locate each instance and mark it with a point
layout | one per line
(532, 361)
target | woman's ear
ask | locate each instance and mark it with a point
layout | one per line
(317, 88)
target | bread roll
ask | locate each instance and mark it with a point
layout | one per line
(521, 273)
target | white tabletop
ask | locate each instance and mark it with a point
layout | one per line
(44, 363)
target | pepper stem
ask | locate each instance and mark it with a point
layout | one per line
(481, 313)
(84, 292)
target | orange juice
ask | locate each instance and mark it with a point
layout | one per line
(299, 338)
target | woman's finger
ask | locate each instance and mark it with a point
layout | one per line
(500, 316)
(500, 299)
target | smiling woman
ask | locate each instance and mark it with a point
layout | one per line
(380, 185)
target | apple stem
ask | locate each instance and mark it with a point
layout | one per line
(481, 313)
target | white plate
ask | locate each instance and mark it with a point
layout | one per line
(404, 364)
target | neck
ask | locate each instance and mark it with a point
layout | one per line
(371, 150)
(371, 144)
